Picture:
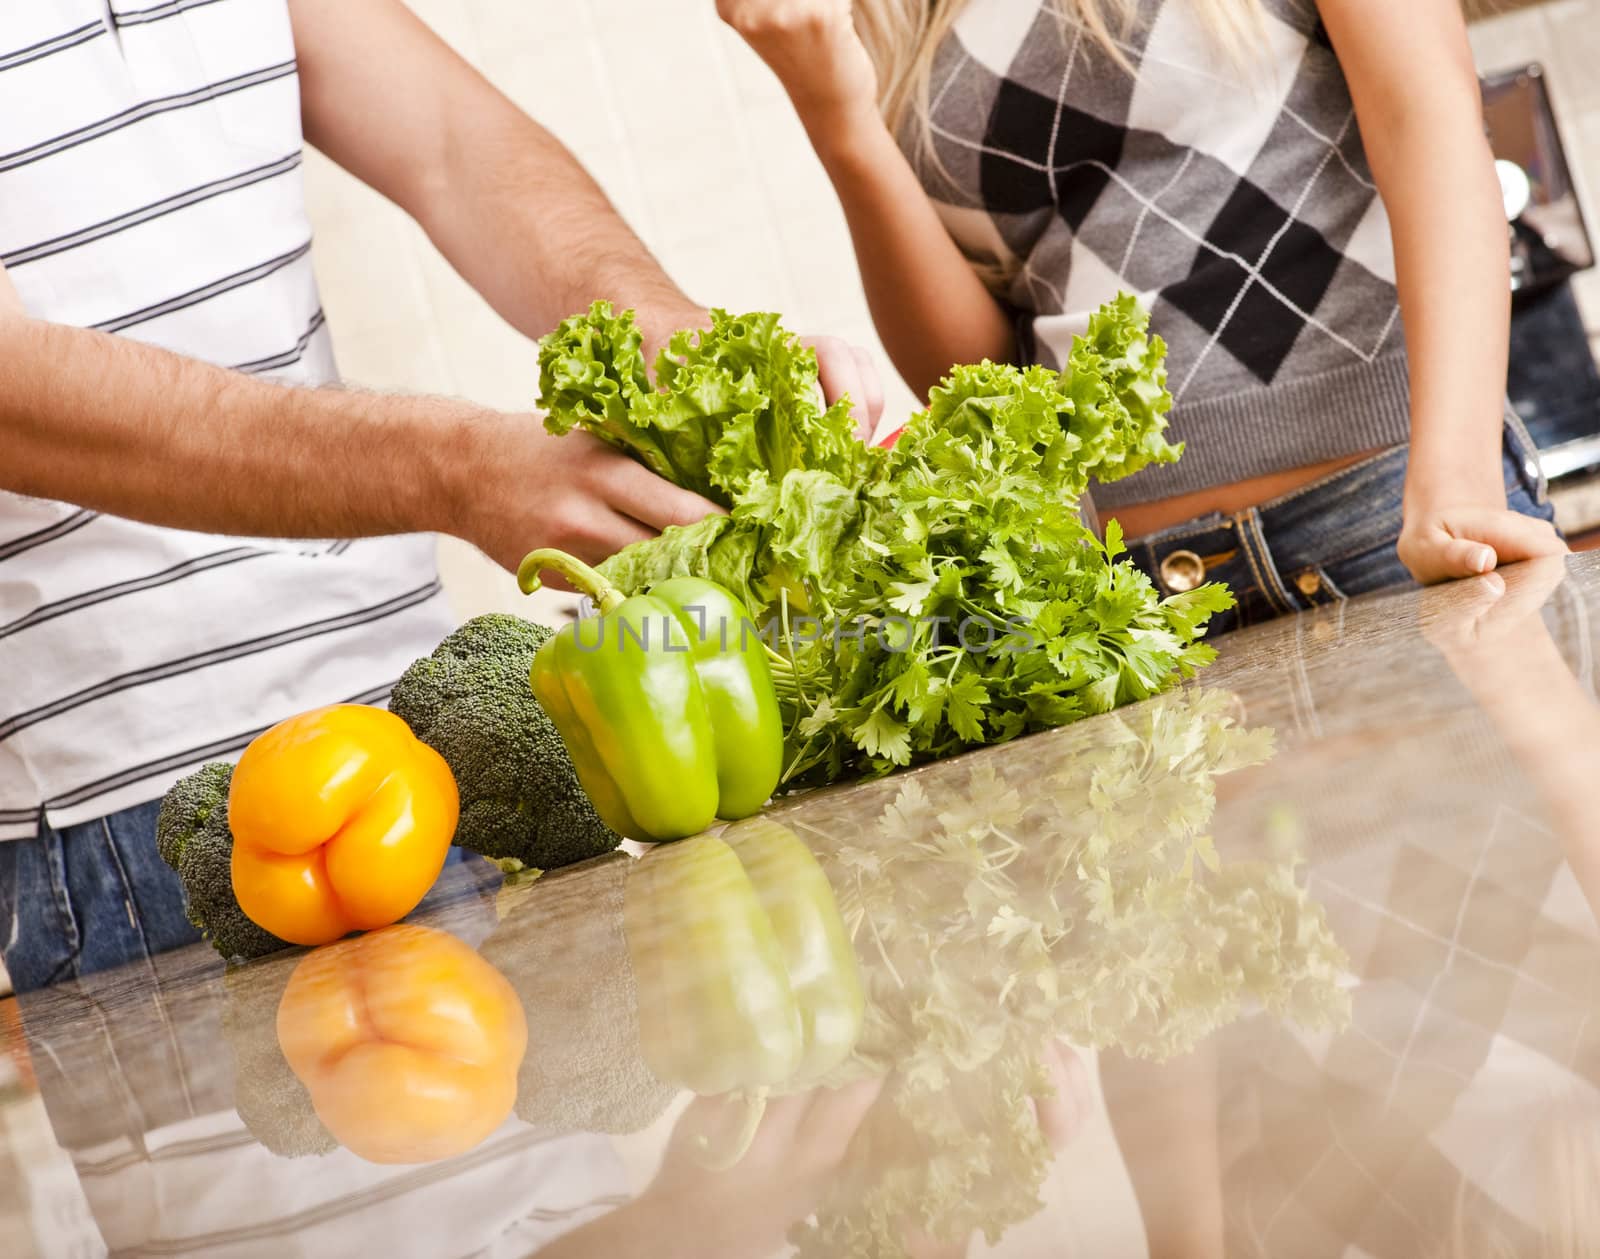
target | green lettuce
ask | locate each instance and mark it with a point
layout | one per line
(936, 596)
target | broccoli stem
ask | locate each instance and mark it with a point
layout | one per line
(579, 575)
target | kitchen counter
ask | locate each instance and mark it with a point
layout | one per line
(1299, 960)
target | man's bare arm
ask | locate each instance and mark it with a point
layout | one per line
(110, 424)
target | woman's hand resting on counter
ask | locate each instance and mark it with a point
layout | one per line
(1445, 543)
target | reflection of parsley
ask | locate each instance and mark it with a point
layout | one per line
(1064, 888)
(971, 518)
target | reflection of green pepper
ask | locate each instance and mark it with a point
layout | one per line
(816, 948)
(746, 979)
(664, 700)
(716, 1012)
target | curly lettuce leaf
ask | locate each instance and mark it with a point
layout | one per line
(729, 402)
(972, 519)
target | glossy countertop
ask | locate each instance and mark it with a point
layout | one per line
(1299, 960)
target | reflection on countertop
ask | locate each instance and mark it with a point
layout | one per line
(1297, 961)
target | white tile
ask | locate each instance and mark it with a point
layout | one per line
(368, 274)
(663, 98)
(453, 22)
(333, 195)
(491, 362)
(702, 188)
(741, 272)
(475, 584)
(404, 358)
(1511, 40)
(563, 87)
(518, 26)
(1575, 31)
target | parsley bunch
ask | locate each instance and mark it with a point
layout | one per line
(937, 596)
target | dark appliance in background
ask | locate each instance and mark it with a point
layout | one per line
(1553, 382)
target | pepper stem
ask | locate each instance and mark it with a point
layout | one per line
(579, 576)
(755, 1106)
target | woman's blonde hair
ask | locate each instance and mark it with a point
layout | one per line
(903, 36)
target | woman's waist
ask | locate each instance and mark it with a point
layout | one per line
(1140, 520)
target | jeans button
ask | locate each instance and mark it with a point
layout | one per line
(1182, 571)
(1310, 584)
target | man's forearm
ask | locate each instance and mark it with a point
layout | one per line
(124, 428)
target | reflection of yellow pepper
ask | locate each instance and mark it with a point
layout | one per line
(341, 820)
(407, 1040)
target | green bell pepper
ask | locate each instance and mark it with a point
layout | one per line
(665, 702)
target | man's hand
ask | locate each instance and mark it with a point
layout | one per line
(1441, 544)
(574, 492)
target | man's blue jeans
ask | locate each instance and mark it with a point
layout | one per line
(88, 897)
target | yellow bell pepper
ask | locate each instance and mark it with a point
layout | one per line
(408, 1042)
(341, 822)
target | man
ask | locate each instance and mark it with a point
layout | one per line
(159, 329)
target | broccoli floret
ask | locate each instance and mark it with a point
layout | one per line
(521, 804)
(193, 838)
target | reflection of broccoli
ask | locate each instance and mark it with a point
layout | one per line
(266, 1092)
(562, 948)
(193, 838)
(471, 702)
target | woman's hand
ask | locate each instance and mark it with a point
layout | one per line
(812, 46)
(1442, 544)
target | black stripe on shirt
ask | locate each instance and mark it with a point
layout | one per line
(8, 816)
(49, 533)
(138, 113)
(205, 292)
(216, 655)
(147, 213)
(289, 357)
(139, 17)
(48, 47)
(166, 764)
(203, 563)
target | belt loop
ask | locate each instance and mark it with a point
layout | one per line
(1254, 544)
(1528, 454)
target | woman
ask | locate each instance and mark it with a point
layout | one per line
(1301, 194)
